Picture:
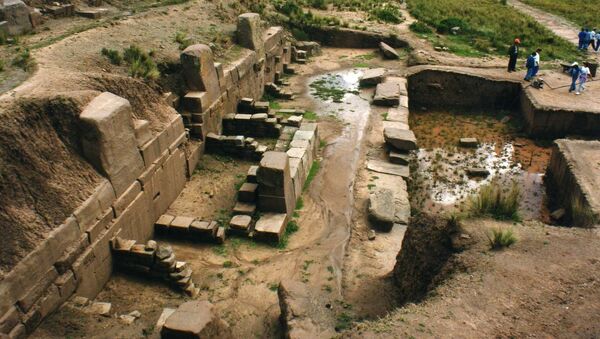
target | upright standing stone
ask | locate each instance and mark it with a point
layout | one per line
(200, 73)
(109, 140)
(16, 15)
(275, 186)
(249, 33)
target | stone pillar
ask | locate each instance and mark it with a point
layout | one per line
(249, 32)
(200, 73)
(275, 187)
(109, 142)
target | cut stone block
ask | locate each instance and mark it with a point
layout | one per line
(240, 223)
(399, 158)
(247, 192)
(249, 32)
(109, 140)
(468, 142)
(381, 208)
(399, 114)
(163, 223)
(387, 168)
(274, 167)
(199, 72)
(15, 13)
(295, 120)
(196, 102)
(181, 225)
(387, 51)
(395, 124)
(221, 234)
(206, 229)
(244, 208)
(402, 140)
(251, 176)
(372, 77)
(142, 131)
(387, 94)
(194, 320)
(261, 107)
(271, 226)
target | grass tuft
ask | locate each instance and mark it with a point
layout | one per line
(494, 200)
(499, 238)
(316, 165)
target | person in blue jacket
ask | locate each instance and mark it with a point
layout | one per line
(582, 35)
(530, 65)
(574, 71)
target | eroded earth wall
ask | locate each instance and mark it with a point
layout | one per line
(142, 173)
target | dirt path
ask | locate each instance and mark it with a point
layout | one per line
(560, 26)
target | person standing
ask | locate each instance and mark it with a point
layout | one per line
(536, 58)
(593, 40)
(513, 54)
(574, 71)
(597, 38)
(583, 77)
(587, 40)
(581, 37)
(530, 65)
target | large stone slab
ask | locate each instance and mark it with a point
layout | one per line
(401, 139)
(381, 208)
(249, 32)
(200, 73)
(387, 94)
(194, 319)
(372, 77)
(109, 141)
(271, 227)
(398, 114)
(387, 51)
(387, 168)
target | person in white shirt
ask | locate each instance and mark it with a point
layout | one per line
(583, 77)
(536, 58)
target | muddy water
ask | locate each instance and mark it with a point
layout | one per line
(333, 189)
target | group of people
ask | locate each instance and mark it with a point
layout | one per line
(579, 74)
(589, 38)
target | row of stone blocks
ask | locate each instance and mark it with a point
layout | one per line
(155, 261)
(258, 125)
(235, 145)
(189, 227)
(145, 174)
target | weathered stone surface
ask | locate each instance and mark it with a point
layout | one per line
(399, 158)
(381, 208)
(249, 33)
(401, 204)
(387, 51)
(16, 15)
(468, 142)
(301, 310)
(163, 223)
(384, 167)
(244, 208)
(199, 71)
(247, 192)
(251, 176)
(398, 114)
(240, 223)
(204, 228)
(181, 224)
(99, 308)
(372, 77)
(387, 94)
(9, 320)
(295, 120)
(401, 139)
(109, 140)
(142, 131)
(273, 169)
(271, 226)
(166, 313)
(194, 319)
(395, 124)
(221, 234)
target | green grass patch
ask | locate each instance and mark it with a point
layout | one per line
(291, 228)
(183, 40)
(499, 238)
(310, 115)
(220, 250)
(343, 322)
(489, 27)
(496, 201)
(113, 56)
(299, 203)
(24, 60)
(274, 105)
(314, 169)
(581, 12)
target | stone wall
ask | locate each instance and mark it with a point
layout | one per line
(351, 38)
(145, 173)
(444, 89)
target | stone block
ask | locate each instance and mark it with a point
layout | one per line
(402, 140)
(35, 292)
(468, 142)
(387, 51)
(251, 176)
(244, 208)
(109, 140)
(18, 332)
(199, 72)
(295, 120)
(126, 198)
(66, 284)
(247, 192)
(16, 15)
(50, 301)
(150, 151)
(221, 234)
(395, 124)
(242, 223)
(249, 32)
(274, 168)
(9, 320)
(261, 107)
(181, 225)
(387, 94)
(381, 208)
(87, 212)
(163, 223)
(399, 158)
(398, 114)
(105, 194)
(206, 229)
(71, 254)
(372, 77)
(271, 226)
(142, 131)
(196, 102)
(194, 319)
(102, 224)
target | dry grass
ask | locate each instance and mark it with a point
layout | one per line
(496, 201)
